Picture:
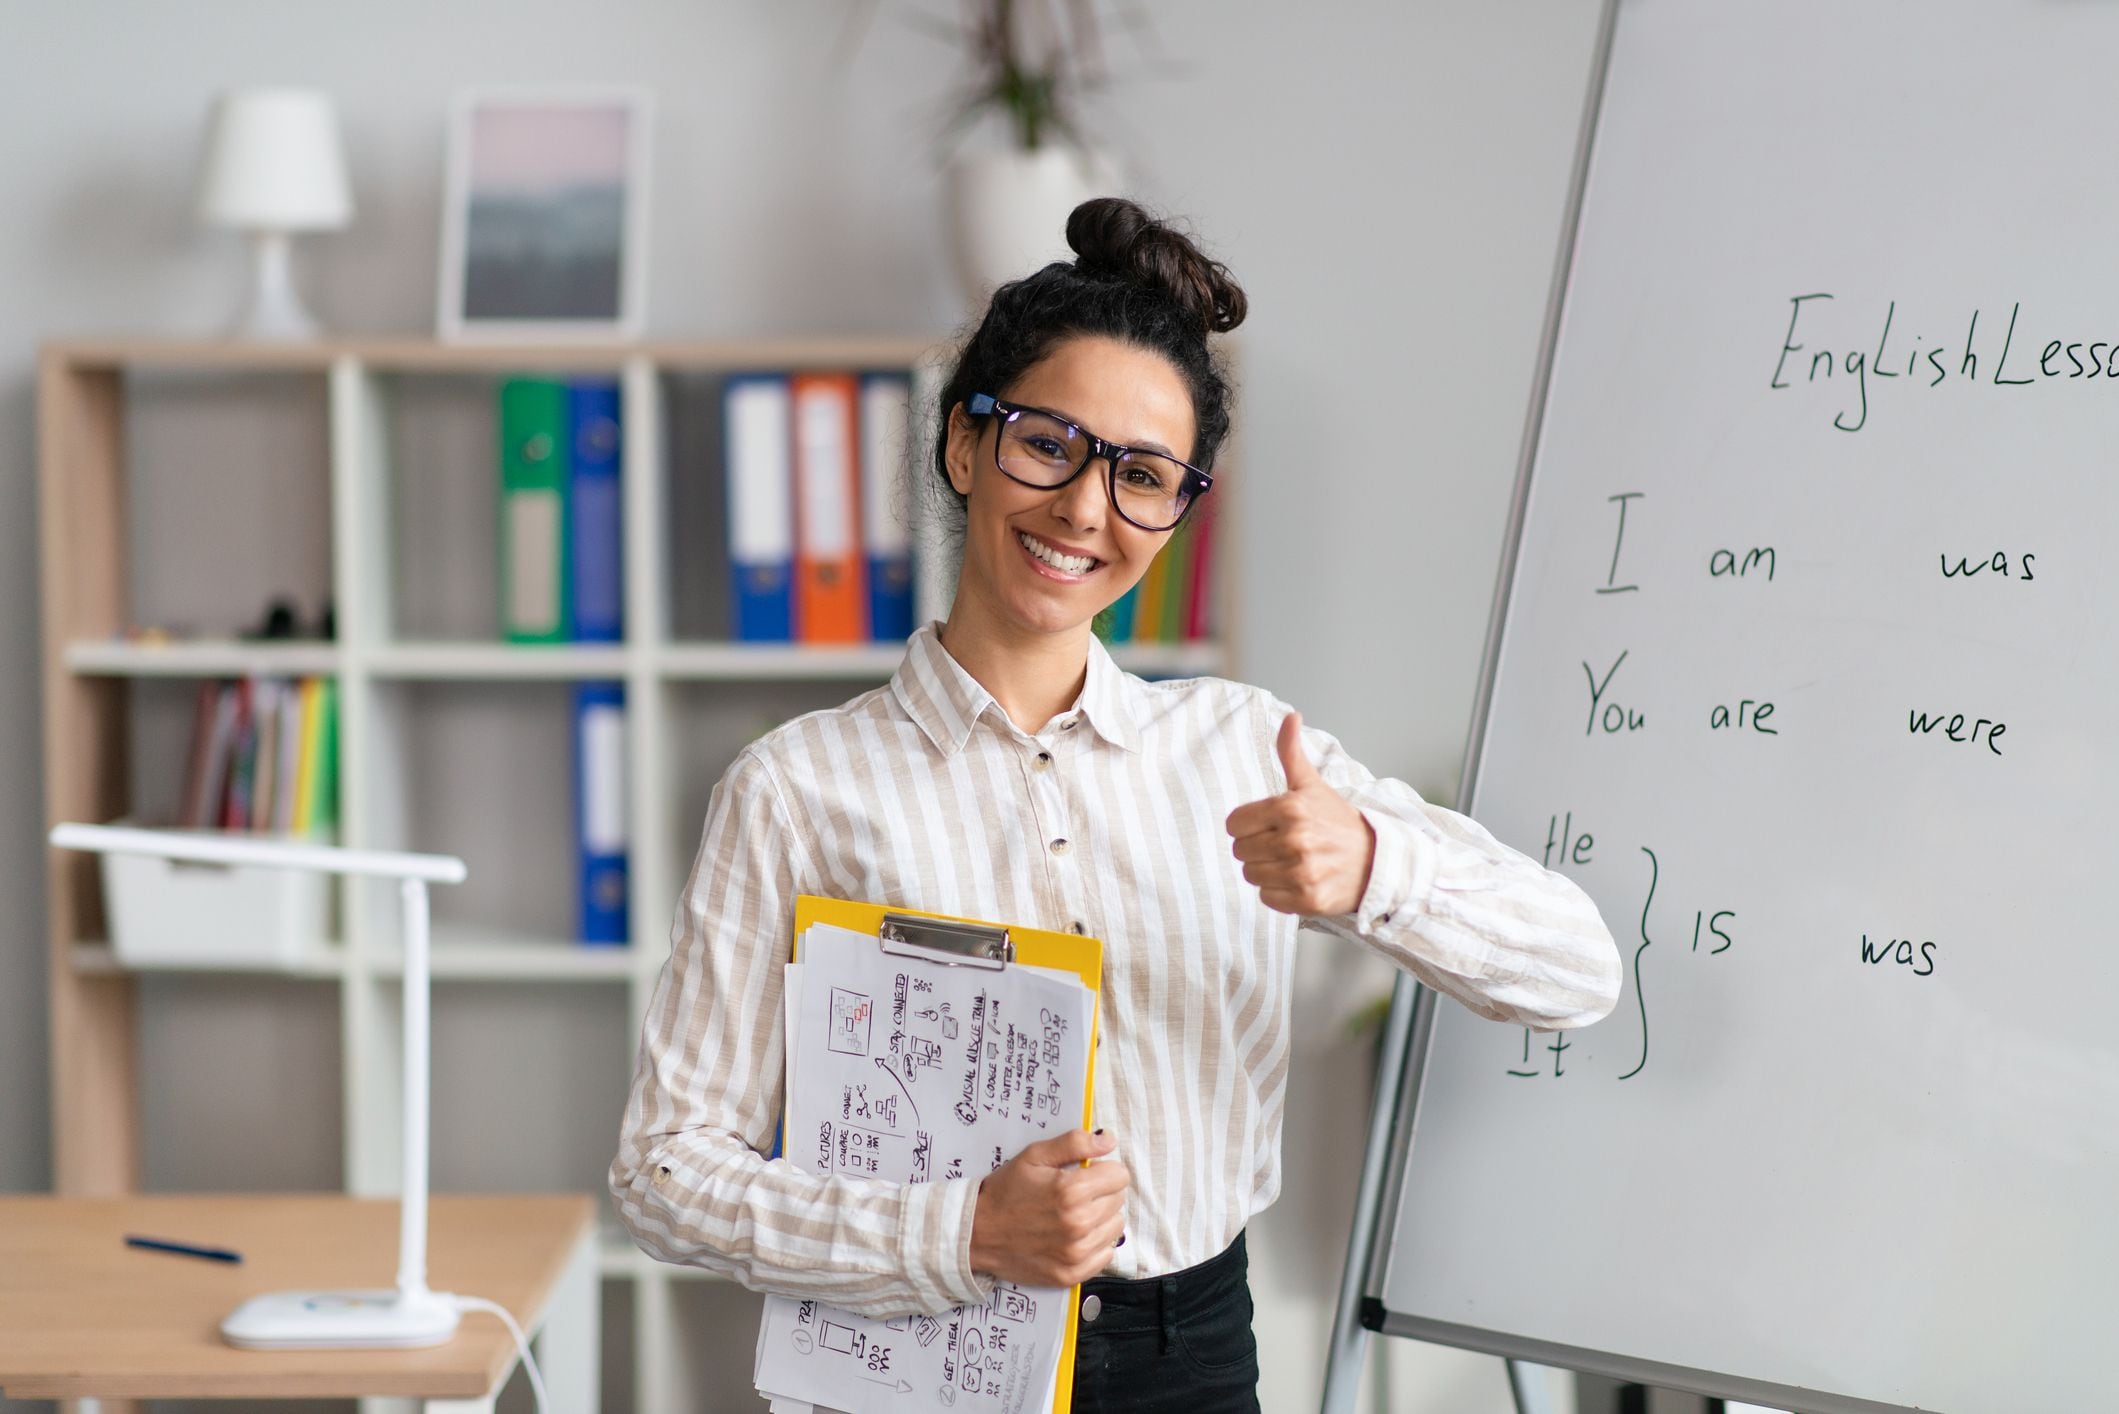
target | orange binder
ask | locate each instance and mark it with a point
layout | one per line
(831, 582)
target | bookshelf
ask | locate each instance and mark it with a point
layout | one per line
(396, 458)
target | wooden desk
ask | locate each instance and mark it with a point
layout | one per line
(83, 1315)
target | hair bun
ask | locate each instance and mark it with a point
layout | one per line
(1114, 237)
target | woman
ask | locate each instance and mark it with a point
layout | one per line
(1011, 771)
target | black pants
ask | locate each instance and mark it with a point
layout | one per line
(1180, 1343)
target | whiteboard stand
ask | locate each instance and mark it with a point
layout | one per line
(1350, 1335)
(1527, 1383)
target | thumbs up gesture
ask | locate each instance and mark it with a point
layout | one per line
(1307, 849)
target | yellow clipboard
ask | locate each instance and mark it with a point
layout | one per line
(994, 945)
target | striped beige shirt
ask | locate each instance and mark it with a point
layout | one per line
(1108, 822)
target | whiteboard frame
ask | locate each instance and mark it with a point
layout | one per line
(1409, 1031)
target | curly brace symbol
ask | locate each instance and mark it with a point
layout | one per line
(1654, 871)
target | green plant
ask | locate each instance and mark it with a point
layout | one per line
(1029, 61)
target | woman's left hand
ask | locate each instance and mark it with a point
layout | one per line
(1307, 849)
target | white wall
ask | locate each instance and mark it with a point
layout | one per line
(1386, 178)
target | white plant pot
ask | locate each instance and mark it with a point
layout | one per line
(1008, 210)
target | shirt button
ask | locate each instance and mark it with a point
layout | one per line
(1068, 726)
(1092, 1306)
(1076, 927)
(1059, 846)
(1044, 759)
(1383, 918)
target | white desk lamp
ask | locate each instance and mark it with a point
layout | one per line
(274, 167)
(411, 1315)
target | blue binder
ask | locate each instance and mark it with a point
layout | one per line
(759, 421)
(595, 513)
(600, 811)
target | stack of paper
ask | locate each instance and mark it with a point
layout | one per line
(909, 1070)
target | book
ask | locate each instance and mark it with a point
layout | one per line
(201, 765)
(1199, 589)
(886, 485)
(533, 511)
(595, 513)
(1148, 605)
(264, 779)
(242, 761)
(831, 579)
(310, 699)
(1177, 583)
(286, 775)
(600, 811)
(325, 821)
(758, 432)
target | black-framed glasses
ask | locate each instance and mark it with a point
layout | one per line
(1038, 448)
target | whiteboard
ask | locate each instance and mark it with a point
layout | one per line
(1779, 1170)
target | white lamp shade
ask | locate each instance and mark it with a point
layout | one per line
(273, 163)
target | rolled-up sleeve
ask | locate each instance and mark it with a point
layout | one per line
(1464, 913)
(691, 1180)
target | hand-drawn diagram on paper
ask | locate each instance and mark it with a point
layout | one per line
(923, 1072)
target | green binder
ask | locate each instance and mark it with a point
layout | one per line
(534, 575)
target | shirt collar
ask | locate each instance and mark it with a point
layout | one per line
(945, 701)
(1111, 698)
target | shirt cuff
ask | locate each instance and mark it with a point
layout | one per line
(936, 1233)
(1400, 875)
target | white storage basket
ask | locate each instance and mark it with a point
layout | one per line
(176, 913)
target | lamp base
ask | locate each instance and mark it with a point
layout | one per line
(341, 1320)
(274, 312)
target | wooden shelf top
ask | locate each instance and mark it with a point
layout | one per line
(400, 354)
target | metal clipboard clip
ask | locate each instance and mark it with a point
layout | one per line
(951, 944)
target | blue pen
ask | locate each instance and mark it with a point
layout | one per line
(182, 1249)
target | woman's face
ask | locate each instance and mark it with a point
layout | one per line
(1114, 390)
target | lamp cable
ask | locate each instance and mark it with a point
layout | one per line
(468, 1304)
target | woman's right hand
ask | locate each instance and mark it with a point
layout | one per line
(1044, 1220)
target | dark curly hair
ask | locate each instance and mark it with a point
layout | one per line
(1135, 279)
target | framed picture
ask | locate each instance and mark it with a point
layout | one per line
(544, 221)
